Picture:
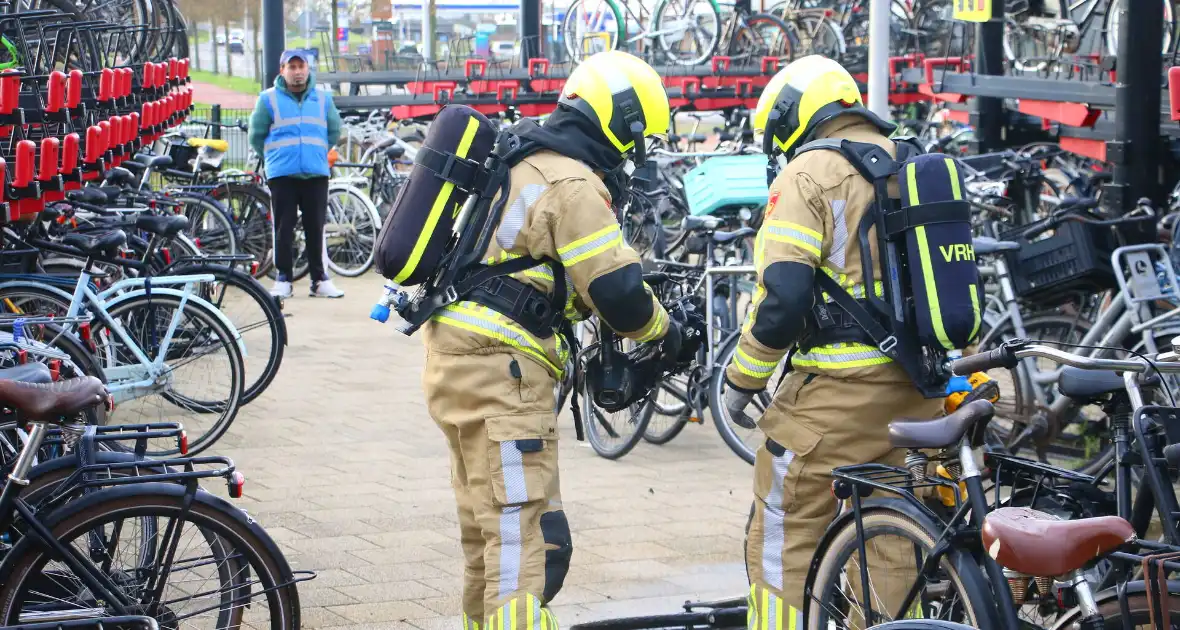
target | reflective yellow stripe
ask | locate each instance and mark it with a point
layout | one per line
(657, 322)
(911, 172)
(512, 607)
(975, 310)
(752, 367)
(436, 210)
(931, 287)
(954, 171)
(841, 356)
(471, 317)
(778, 615)
(762, 611)
(590, 246)
(795, 234)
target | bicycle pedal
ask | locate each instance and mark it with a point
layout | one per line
(989, 391)
(696, 420)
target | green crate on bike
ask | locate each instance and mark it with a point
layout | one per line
(726, 181)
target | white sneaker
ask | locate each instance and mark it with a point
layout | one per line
(326, 289)
(282, 289)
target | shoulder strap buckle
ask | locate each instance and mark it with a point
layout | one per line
(887, 345)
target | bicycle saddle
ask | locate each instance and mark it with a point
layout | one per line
(88, 195)
(119, 175)
(52, 402)
(655, 278)
(395, 152)
(943, 432)
(986, 245)
(701, 223)
(167, 225)
(103, 244)
(1089, 384)
(134, 166)
(724, 237)
(691, 137)
(28, 373)
(1035, 543)
(158, 161)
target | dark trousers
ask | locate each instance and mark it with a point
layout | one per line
(290, 195)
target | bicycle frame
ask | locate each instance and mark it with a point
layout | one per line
(128, 382)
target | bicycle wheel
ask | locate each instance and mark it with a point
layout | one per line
(687, 31)
(211, 541)
(817, 34)
(350, 232)
(716, 619)
(202, 379)
(1081, 445)
(592, 26)
(1112, 26)
(612, 435)
(954, 591)
(249, 206)
(671, 411)
(256, 316)
(1137, 604)
(764, 35)
(210, 225)
(744, 441)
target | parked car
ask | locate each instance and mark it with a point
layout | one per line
(220, 39)
(237, 41)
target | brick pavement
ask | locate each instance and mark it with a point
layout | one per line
(348, 473)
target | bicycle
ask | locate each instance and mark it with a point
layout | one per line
(139, 350)
(64, 561)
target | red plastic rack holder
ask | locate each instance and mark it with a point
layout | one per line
(70, 150)
(959, 64)
(106, 85)
(1174, 91)
(74, 89)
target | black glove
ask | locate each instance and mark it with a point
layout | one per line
(671, 345)
(692, 335)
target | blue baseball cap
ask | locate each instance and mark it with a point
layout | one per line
(288, 55)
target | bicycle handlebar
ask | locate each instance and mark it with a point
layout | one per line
(1010, 352)
(1073, 214)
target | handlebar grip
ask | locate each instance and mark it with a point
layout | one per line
(1000, 357)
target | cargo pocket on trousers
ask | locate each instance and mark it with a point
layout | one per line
(777, 476)
(522, 456)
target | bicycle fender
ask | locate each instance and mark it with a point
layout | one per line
(845, 518)
(66, 295)
(180, 294)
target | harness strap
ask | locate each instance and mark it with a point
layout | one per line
(884, 341)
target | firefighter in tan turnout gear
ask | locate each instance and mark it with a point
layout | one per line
(489, 381)
(834, 406)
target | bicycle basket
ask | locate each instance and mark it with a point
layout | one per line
(726, 181)
(1075, 258)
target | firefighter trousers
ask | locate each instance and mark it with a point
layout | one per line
(496, 411)
(817, 423)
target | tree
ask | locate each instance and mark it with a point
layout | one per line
(229, 56)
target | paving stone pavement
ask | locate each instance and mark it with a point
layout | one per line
(348, 473)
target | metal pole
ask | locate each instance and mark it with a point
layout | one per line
(273, 39)
(879, 58)
(987, 116)
(428, 30)
(532, 43)
(335, 29)
(1136, 147)
(215, 117)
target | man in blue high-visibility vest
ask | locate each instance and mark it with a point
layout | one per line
(293, 127)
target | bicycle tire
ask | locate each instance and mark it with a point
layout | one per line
(921, 624)
(717, 404)
(593, 417)
(1024, 403)
(228, 407)
(1110, 28)
(784, 43)
(210, 226)
(82, 358)
(810, 24)
(274, 321)
(666, 47)
(962, 571)
(168, 501)
(362, 236)
(1112, 615)
(249, 206)
(575, 54)
(718, 619)
(658, 434)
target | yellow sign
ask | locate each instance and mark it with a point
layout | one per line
(972, 10)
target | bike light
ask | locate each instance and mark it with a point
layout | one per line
(197, 242)
(236, 483)
(182, 442)
(55, 369)
(167, 255)
(254, 268)
(22, 356)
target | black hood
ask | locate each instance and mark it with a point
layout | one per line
(571, 134)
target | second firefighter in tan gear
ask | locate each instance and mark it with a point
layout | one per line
(834, 407)
(489, 382)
